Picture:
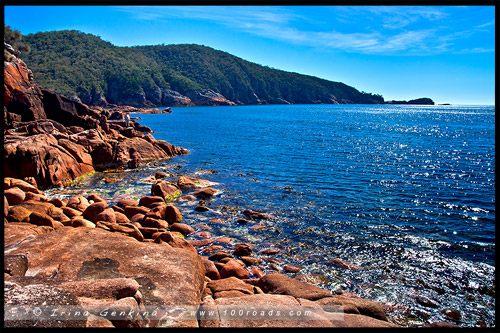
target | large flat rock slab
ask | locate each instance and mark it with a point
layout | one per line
(167, 276)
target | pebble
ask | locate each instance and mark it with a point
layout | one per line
(249, 261)
(242, 250)
(271, 251)
(452, 314)
(256, 272)
(217, 220)
(258, 227)
(187, 198)
(292, 268)
(202, 226)
(201, 242)
(217, 256)
(182, 228)
(202, 234)
(161, 175)
(212, 248)
(233, 268)
(224, 240)
(344, 264)
(424, 301)
(273, 260)
(274, 267)
(127, 202)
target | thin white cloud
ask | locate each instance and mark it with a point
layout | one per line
(393, 30)
(475, 50)
(142, 13)
(487, 24)
(389, 17)
(219, 14)
(399, 17)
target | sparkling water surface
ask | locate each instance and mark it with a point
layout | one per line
(405, 194)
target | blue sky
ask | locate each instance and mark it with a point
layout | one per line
(446, 53)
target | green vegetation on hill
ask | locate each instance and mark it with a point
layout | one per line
(83, 66)
(15, 39)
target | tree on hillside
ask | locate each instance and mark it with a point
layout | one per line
(15, 39)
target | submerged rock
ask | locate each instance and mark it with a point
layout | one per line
(427, 302)
(344, 264)
(205, 192)
(452, 314)
(292, 268)
(441, 324)
(254, 215)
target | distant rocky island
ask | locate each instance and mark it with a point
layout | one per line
(418, 101)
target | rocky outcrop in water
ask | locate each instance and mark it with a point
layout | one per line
(174, 98)
(208, 97)
(418, 101)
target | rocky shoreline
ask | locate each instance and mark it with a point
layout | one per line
(130, 258)
(133, 255)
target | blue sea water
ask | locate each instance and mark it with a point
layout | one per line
(406, 193)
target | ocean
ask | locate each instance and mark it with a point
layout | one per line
(395, 203)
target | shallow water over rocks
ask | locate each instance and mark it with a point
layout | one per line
(393, 203)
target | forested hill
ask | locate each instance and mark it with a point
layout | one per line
(86, 68)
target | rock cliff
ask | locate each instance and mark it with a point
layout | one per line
(56, 140)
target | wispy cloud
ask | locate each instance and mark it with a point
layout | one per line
(142, 13)
(393, 30)
(228, 15)
(397, 17)
(487, 24)
(475, 50)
